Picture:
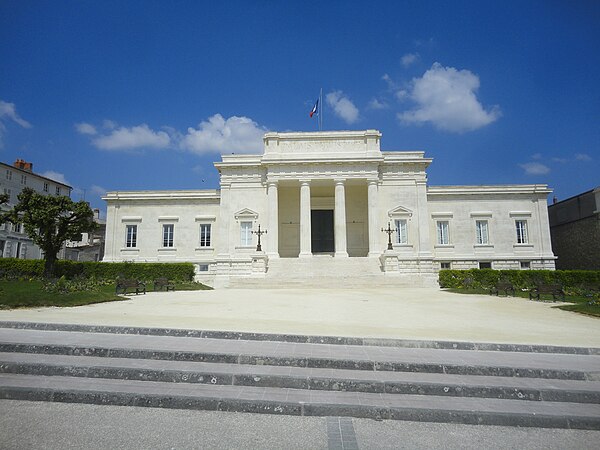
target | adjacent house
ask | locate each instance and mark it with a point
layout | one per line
(14, 243)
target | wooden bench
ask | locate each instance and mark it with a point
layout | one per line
(124, 285)
(163, 283)
(504, 286)
(555, 290)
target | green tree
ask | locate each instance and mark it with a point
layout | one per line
(50, 221)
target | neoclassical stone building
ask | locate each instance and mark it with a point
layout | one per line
(324, 200)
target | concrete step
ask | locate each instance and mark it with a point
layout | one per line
(163, 368)
(392, 359)
(312, 339)
(534, 389)
(324, 271)
(301, 402)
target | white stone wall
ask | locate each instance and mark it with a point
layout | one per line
(149, 214)
(379, 188)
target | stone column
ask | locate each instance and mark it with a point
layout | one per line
(339, 219)
(305, 228)
(273, 230)
(372, 194)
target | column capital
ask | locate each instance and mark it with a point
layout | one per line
(339, 181)
(373, 181)
(272, 183)
(304, 181)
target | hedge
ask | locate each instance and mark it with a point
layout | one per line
(573, 281)
(34, 268)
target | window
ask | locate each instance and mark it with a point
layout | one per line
(203, 268)
(401, 231)
(246, 234)
(205, 235)
(57, 190)
(131, 236)
(45, 187)
(525, 265)
(18, 228)
(9, 174)
(9, 193)
(168, 230)
(521, 226)
(485, 265)
(445, 266)
(481, 227)
(23, 179)
(443, 238)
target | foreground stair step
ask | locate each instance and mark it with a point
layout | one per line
(301, 402)
(463, 362)
(302, 378)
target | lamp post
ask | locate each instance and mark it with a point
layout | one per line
(389, 232)
(259, 234)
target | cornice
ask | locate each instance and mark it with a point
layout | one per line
(211, 194)
(537, 189)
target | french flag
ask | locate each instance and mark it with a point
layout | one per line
(315, 109)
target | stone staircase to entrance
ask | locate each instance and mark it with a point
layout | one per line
(458, 382)
(327, 271)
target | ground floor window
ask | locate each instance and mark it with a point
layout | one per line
(521, 227)
(205, 230)
(246, 234)
(168, 232)
(485, 265)
(482, 235)
(401, 231)
(445, 266)
(131, 236)
(443, 236)
(525, 265)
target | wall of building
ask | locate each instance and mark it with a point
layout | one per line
(150, 215)
(575, 231)
(501, 211)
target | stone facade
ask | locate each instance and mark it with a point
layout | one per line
(331, 194)
(14, 243)
(575, 231)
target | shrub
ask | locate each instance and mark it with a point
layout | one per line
(575, 282)
(32, 268)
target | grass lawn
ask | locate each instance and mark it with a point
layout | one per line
(577, 303)
(29, 294)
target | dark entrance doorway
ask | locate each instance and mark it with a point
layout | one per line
(321, 223)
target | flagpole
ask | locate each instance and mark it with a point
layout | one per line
(321, 112)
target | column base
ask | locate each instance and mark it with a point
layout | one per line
(305, 255)
(340, 254)
(374, 254)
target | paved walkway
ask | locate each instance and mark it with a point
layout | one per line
(406, 313)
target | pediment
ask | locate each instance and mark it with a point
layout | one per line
(246, 214)
(400, 211)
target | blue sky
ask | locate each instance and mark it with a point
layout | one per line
(128, 95)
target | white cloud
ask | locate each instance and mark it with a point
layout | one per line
(98, 190)
(86, 128)
(536, 156)
(376, 104)
(535, 168)
(8, 112)
(445, 97)
(220, 135)
(124, 138)
(583, 157)
(56, 176)
(409, 59)
(342, 106)
(560, 160)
